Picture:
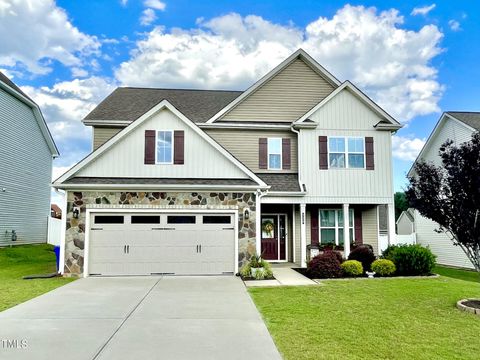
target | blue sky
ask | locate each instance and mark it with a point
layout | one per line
(415, 58)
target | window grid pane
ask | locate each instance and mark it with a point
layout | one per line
(275, 153)
(331, 226)
(164, 147)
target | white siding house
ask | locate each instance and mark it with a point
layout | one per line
(26, 153)
(458, 127)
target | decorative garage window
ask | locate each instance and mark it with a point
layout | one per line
(145, 219)
(164, 147)
(181, 219)
(331, 226)
(216, 219)
(109, 219)
(346, 152)
(274, 153)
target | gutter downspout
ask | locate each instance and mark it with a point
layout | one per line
(258, 220)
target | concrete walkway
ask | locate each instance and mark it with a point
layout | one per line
(138, 318)
(284, 276)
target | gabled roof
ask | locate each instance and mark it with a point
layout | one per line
(466, 119)
(469, 118)
(281, 182)
(128, 103)
(164, 104)
(388, 123)
(300, 53)
(14, 90)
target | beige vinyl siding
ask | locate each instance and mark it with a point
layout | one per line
(125, 158)
(285, 97)
(370, 228)
(345, 115)
(243, 144)
(440, 243)
(102, 134)
(26, 173)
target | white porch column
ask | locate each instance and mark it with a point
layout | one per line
(346, 230)
(303, 236)
(258, 225)
(391, 224)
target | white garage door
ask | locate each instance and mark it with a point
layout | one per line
(161, 243)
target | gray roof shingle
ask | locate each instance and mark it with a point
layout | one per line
(468, 117)
(281, 182)
(156, 181)
(128, 103)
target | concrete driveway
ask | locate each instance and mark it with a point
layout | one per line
(138, 318)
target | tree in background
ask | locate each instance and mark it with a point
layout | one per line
(401, 203)
(449, 194)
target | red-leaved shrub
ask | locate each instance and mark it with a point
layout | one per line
(364, 254)
(326, 265)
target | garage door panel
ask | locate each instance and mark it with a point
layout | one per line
(163, 247)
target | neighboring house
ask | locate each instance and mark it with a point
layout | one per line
(55, 211)
(194, 182)
(405, 222)
(458, 127)
(26, 153)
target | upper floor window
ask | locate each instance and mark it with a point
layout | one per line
(346, 152)
(274, 153)
(164, 147)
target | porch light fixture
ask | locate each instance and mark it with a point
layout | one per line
(76, 212)
(14, 235)
(246, 214)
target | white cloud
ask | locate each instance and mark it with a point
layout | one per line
(66, 103)
(155, 4)
(370, 48)
(454, 25)
(148, 17)
(123, 2)
(423, 10)
(35, 34)
(78, 72)
(406, 148)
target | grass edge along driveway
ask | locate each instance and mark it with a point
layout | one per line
(21, 260)
(372, 319)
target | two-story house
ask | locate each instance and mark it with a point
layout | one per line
(27, 150)
(195, 181)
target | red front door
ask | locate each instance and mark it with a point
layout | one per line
(273, 237)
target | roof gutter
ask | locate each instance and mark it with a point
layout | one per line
(156, 187)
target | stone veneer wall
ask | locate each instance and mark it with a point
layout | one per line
(75, 228)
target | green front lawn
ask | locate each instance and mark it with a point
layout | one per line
(18, 261)
(372, 319)
(467, 275)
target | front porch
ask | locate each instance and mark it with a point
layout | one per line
(294, 233)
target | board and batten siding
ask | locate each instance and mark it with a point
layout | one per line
(102, 134)
(26, 172)
(126, 157)
(243, 144)
(285, 97)
(440, 243)
(346, 115)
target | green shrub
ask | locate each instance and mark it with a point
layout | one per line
(352, 268)
(411, 260)
(256, 262)
(383, 267)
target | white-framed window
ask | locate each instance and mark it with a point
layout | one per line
(330, 226)
(346, 152)
(164, 141)
(274, 153)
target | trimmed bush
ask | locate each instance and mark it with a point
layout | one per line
(364, 254)
(383, 267)
(352, 268)
(325, 266)
(411, 260)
